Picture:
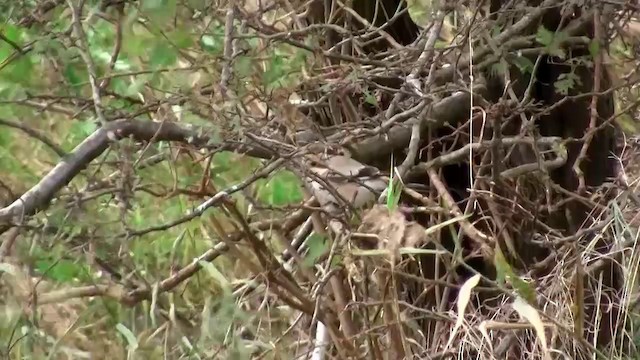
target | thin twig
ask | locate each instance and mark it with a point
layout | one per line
(88, 60)
(597, 78)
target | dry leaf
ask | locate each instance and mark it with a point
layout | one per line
(389, 232)
(463, 300)
(530, 314)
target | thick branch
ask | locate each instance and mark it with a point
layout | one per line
(449, 110)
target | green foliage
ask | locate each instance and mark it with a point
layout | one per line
(171, 52)
(78, 131)
(162, 55)
(17, 63)
(594, 48)
(524, 64)
(284, 188)
(213, 44)
(62, 270)
(394, 190)
(369, 98)
(420, 11)
(283, 67)
(504, 273)
(566, 82)
(159, 10)
(552, 41)
(318, 246)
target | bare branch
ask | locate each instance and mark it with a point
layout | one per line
(39, 196)
(36, 135)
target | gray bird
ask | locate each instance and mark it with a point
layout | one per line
(355, 182)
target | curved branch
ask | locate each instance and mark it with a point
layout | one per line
(35, 134)
(39, 196)
(448, 110)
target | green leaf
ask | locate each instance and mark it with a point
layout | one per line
(163, 55)
(275, 71)
(63, 270)
(552, 41)
(496, 29)
(132, 88)
(420, 11)
(159, 10)
(337, 261)
(19, 67)
(181, 38)
(523, 288)
(12, 33)
(394, 189)
(317, 245)
(73, 76)
(544, 36)
(524, 64)
(566, 82)
(78, 131)
(211, 44)
(441, 44)
(369, 98)
(154, 4)
(243, 67)
(283, 188)
(504, 273)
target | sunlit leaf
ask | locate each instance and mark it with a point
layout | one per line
(212, 44)
(216, 275)
(530, 314)
(435, 228)
(461, 305)
(13, 34)
(132, 342)
(8, 268)
(420, 11)
(401, 251)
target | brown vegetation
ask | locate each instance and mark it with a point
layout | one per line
(502, 120)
